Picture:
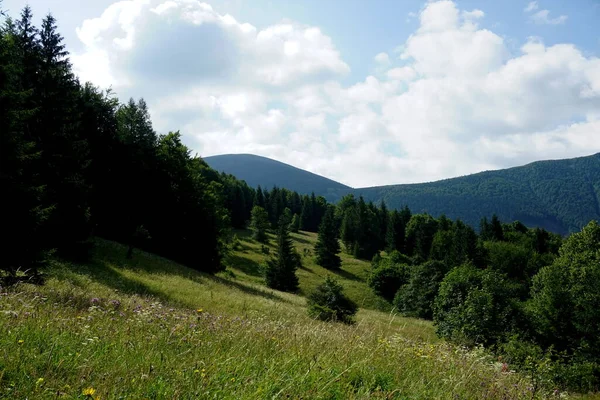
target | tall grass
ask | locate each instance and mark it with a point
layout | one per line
(149, 328)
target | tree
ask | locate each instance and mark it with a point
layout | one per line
(415, 298)
(566, 297)
(329, 303)
(387, 277)
(420, 231)
(328, 244)
(280, 272)
(295, 224)
(24, 212)
(475, 306)
(259, 223)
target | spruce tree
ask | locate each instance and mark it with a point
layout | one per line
(295, 224)
(280, 272)
(328, 245)
(259, 223)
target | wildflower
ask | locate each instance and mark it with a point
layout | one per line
(199, 310)
(232, 379)
(89, 392)
(39, 381)
(115, 303)
(95, 301)
(20, 341)
(196, 371)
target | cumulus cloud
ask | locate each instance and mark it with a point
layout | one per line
(532, 6)
(454, 101)
(542, 17)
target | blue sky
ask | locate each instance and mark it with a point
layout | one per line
(365, 92)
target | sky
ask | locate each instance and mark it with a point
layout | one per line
(363, 92)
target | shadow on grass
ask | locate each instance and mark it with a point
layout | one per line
(247, 266)
(301, 240)
(109, 257)
(346, 275)
(248, 289)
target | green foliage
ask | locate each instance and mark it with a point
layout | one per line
(328, 245)
(420, 232)
(387, 277)
(474, 306)
(280, 272)
(295, 224)
(566, 297)
(416, 297)
(329, 303)
(259, 223)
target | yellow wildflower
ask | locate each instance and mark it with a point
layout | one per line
(199, 310)
(89, 391)
(39, 381)
(232, 379)
(21, 341)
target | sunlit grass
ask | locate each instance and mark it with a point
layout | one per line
(149, 328)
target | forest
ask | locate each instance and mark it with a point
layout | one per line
(76, 163)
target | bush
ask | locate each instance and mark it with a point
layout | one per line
(475, 306)
(565, 300)
(386, 279)
(329, 303)
(415, 298)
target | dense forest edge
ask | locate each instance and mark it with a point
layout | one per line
(561, 196)
(76, 165)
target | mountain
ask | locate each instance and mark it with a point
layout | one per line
(559, 195)
(257, 170)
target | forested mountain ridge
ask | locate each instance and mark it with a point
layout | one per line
(558, 195)
(265, 172)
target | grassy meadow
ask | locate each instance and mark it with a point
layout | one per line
(148, 328)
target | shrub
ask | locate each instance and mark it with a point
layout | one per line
(475, 306)
(566, 298)
(386, 279)
(329, 303)
(415, 298)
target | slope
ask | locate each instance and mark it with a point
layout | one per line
(559, 195)
(150, 328)
(256, 170)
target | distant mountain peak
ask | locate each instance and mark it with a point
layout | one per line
(266, 172)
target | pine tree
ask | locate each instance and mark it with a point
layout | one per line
(328, 245)
(259, 223)
(259, 199)
(23, 213)
(280, 272)
(295, 224)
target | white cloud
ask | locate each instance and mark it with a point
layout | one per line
(532, 6)
(542, 17)
(382, 58)
(455, 102)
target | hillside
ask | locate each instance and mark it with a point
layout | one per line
(256, 170)
(559, 195)
(150, 328)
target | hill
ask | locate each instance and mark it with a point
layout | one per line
(256, 170)
(559, 195)
(151, 328)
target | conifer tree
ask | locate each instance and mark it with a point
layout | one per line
(259, 223)
(328, 245)
(295, 224)
(280, 272)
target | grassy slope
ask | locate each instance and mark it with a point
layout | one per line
(149, 328)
